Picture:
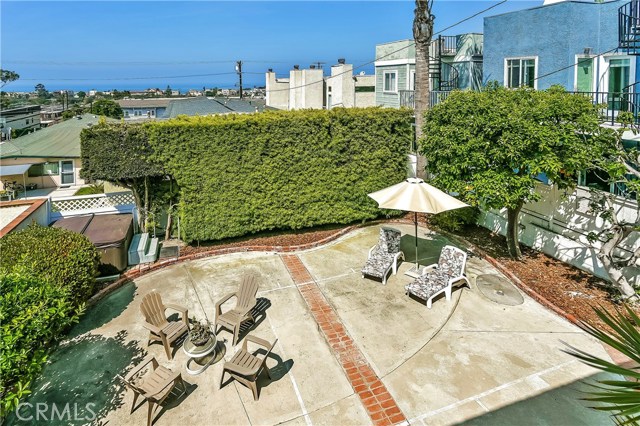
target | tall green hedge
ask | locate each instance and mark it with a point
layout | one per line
(241, 174)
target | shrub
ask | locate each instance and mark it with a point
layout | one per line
(61, 258)
(455, 220)
(33, 314)
(243, 174)
(94, 188)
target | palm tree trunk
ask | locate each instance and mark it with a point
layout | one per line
(422, 33)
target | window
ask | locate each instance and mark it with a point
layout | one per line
(390, 81)
(520, 72)
(44, 169)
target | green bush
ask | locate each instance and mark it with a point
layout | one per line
(94, 188)
(455, 220)
(243, 174)
(61, 258)
(33, 314)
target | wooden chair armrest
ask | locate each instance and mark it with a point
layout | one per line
(149, 359)
(221, 301)
(259, 341)
(152, 328)
(167, 382)
(181, 309)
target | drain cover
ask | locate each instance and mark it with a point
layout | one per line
(499, 290)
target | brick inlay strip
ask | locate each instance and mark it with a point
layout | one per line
(375, 397)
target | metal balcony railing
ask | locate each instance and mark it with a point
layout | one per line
(629, 27)
(613, 103)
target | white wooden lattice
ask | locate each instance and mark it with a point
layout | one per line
(92, 202)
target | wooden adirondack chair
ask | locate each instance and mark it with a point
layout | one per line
(245, 367)
(154, 387)
(160, 329)
(246, 301)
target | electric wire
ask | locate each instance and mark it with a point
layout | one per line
(272, 90)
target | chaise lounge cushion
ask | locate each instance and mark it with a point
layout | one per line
(383, 255)
(427, 285)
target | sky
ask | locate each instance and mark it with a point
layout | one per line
(82, 45)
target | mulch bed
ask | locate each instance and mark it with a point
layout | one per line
(574, 291)
(567, 287)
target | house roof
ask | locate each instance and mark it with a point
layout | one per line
(60, 140)
(195, 106)
(144, 103)
(242, 105)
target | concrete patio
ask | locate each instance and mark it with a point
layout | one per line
(469, 359)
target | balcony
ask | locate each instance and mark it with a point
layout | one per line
(407, 97)
(629, 28)
(613, 103)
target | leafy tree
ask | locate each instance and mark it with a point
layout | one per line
(490, 146)
(81, 95)
(168, 91)
(619, 397)
(108, 108)
(41, 91)
(422, 34)
(7, 76)
(619, 166)
(121, 154)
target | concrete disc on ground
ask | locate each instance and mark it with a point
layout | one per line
(499, 290)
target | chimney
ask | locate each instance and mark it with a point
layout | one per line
(341, 61)
(296, 67)
(312, 67)
(270, 70)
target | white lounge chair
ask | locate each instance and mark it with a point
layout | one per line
(384, 256)
(441, 276)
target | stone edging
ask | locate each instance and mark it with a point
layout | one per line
(143, 269)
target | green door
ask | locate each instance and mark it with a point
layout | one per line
(585, 75)
(618, 82)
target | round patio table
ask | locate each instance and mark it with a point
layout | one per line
(200, 357)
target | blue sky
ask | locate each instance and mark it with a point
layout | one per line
(105, 44)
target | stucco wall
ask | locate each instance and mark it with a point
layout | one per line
(555, 34)
(559, 225)
(277, 91)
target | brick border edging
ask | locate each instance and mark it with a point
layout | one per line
(141, 270)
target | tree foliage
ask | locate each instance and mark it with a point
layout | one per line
(33, 315)
(107, 107)
(7, 76)
(490, 146)
(121, 154)
(59, 257)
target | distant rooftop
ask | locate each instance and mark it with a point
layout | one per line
(209, 106)
(145, 103)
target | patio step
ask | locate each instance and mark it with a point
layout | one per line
(151, 253)
(138, 248)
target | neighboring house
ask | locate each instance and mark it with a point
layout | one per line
(50, 115)
(536, 47)
(20, 120)
(136, 109)
(310, 89)
(455, 62)
(52, 154)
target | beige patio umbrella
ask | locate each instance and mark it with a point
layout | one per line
(414, 195)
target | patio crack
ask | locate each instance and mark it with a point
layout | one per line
(378, 402)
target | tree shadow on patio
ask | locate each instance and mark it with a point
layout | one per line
(81, 375)
(107, 309)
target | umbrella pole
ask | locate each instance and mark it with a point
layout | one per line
(415, 221)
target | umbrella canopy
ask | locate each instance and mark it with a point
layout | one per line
(414, 195)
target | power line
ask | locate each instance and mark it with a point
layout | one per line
(126, 78)
(572, 65)
(230, 73)
(395, 51)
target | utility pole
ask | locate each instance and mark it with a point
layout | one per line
(239, 71)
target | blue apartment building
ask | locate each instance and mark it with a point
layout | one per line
(590, 47)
